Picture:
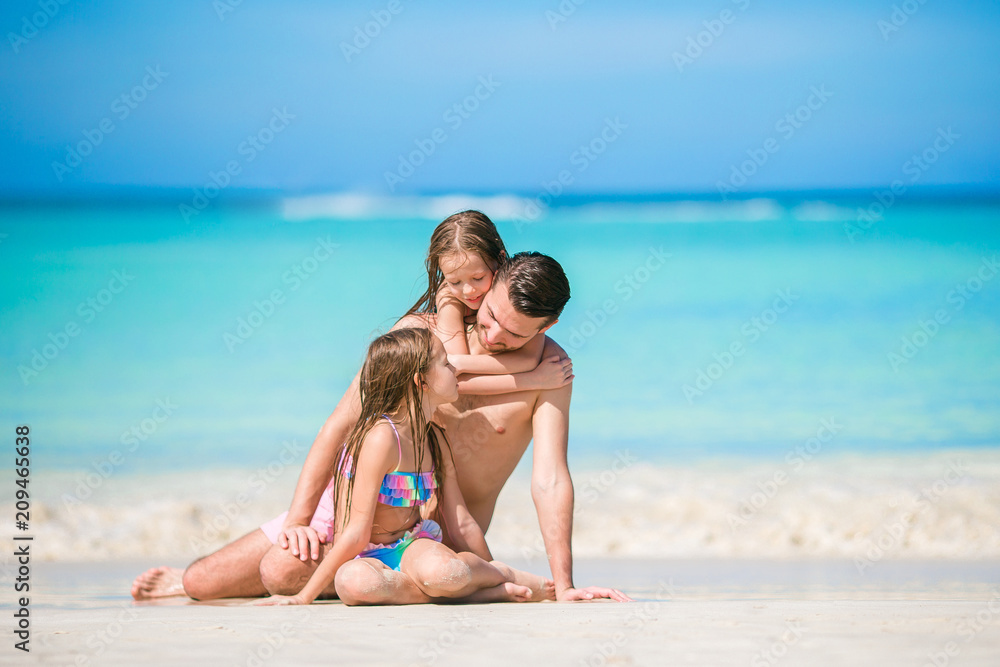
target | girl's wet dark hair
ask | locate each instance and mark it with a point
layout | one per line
(471, 232)
(536, 285)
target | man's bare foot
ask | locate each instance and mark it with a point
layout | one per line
(505, 592)
(158, 582)
(541, 588)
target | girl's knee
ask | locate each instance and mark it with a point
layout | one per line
(359, 583)
(441, 573)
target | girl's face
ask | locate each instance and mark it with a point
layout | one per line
(467, 276)
(442, 385)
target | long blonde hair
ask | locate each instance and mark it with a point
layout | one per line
(386, 386)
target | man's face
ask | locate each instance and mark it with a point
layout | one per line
(500, 328)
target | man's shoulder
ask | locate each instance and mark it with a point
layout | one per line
(552, 348)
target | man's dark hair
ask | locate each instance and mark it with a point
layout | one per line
(536, 284)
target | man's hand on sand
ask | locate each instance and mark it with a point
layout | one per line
(304, 541)
(591, 593)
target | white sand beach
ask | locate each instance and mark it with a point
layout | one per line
(707, 612)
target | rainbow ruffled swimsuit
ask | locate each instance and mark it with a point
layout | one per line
(402, 489)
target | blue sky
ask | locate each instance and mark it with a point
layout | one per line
(556, 83)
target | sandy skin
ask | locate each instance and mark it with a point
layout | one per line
(540, 588)
(165, 582)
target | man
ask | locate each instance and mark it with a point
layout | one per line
(489, 435)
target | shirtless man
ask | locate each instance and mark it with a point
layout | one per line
(489, 435)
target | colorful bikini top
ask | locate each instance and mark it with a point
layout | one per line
(402, 489)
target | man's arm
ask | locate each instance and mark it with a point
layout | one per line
(552, 488)
(315, 475)
(551, 484)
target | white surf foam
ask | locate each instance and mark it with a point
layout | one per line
(945, 505)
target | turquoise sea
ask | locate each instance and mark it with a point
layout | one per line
(650, 337)
(136, 343)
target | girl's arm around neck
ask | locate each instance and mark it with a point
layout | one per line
(521, 360)
(552, 372)
(450, 325)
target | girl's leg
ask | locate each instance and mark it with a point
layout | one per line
(367, 581)
(439, 572)
(541, 588)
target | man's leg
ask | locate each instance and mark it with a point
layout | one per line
(231, 572)
(281, 573)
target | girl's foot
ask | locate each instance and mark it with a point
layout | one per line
(505, 592)
(541, 588)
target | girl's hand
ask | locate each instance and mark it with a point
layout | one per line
(553, 373)
(456, 362)
(280, 600)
